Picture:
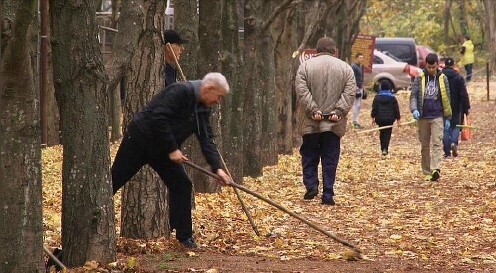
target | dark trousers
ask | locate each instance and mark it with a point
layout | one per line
(132, 156)
(320, 146)
(385, 134)
(468, 69)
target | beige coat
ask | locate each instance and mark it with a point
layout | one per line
(327, 84)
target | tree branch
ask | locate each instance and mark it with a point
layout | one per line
(287, 4)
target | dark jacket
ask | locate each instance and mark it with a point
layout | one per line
(385, 107)
(170, 75)
(172, 116)
(358, 71)
(460, 102)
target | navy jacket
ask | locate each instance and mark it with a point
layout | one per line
(173, 115)
(385, 107)
(170, 75)
(460, 102)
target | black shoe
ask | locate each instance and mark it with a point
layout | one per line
(435, 175)
(310, 194)
(189, 243)
(384, 152)
(328, 201)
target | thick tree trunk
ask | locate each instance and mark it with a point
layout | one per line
(144, 203)
(21, 227)
(187, 20)
(88, 229)
(124, 47)
(258, 62)
(231, 114)
(490, 8)
(286, 42)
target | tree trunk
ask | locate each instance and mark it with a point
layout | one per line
(123, 48)
(286, 42)
(257, 49)
(144, 203)
(231, 109)
(88, 229)
(186, 21)
(490, 8)
(447, 20)
(21, 227)
(463, 18)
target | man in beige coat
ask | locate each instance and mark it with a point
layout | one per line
(325, 89)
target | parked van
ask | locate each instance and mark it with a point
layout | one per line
(404, 49)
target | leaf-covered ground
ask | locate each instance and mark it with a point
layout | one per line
(401, 223)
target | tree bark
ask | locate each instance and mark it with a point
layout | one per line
(490, 8)
(447, 20)
(123, 49)
(259, 88)
(21, 227)
(285, 43)
(231, 112)
(144, 203)
(200, 58)
(88, 228)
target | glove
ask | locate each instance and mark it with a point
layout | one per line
(416, 114)
(447, 123)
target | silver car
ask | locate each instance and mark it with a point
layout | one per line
(387, 67)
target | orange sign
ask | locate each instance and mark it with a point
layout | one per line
(365, 45)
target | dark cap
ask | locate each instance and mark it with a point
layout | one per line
(385, 85)
(449, 62)
(171, 36)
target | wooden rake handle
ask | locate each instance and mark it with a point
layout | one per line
(312, 225)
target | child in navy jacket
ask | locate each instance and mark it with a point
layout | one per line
(385, 110)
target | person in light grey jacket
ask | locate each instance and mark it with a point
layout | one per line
(325, 89)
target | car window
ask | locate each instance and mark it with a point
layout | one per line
(387, 53)
(378, 60)
(402, 52)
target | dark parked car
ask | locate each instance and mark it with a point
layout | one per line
(404, 49)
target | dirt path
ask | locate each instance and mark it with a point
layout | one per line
(402, 223)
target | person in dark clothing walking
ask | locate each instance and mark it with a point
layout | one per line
(385, 110)
(460, 104)
(177, 46)
(154, 137)
(357, 104)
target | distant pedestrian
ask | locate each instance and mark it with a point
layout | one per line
(468, 57)
(460, 104)
(385, 110)
(358, 71)
(177, 45)
(430, 105)
(325, 89)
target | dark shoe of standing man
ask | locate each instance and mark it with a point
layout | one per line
(188, 243)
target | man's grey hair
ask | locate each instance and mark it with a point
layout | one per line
(217, 80)
(326, 44)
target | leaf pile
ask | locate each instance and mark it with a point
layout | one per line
(383, 205)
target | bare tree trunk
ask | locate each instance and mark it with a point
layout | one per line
(232, 67)
(144, 202)
(21, 227)
(259, 89)
(123, 49)
(205, 36)
(285, 43)
(447, 20)
(463, 18)
(88, 228)
(490, 8)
